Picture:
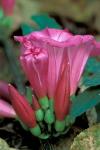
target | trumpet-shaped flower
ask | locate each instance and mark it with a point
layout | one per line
(56, 42)
(53, 61)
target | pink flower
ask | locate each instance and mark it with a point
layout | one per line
(22, 108)
(6, 110)
(8, 6)
(53, 61)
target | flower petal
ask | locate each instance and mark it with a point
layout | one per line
(35, 65)
(55, 59)
(79, 51)
(6, 110)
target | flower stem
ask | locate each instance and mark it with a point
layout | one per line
(8, 50)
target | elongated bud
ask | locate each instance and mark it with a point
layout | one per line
(22, 108)
(62, 94)
(8, 6)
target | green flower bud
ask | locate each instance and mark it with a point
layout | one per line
(44, 102)
(60, 125)
(36, 131)
(39, 114)
(49, 116)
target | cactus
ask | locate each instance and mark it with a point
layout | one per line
(89, 139)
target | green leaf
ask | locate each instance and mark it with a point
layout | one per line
(44, 21)
(7, 22)
(92, 66)
(29, 94)
(26, 29)
(91, 76)
(84, 101)
(93, 80)
(1, 14)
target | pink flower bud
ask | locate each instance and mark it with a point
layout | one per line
(62, 93)
(22, 108)
(8, 6)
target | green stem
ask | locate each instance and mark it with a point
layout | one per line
(8, 50)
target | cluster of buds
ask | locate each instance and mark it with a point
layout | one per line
(53, 61)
